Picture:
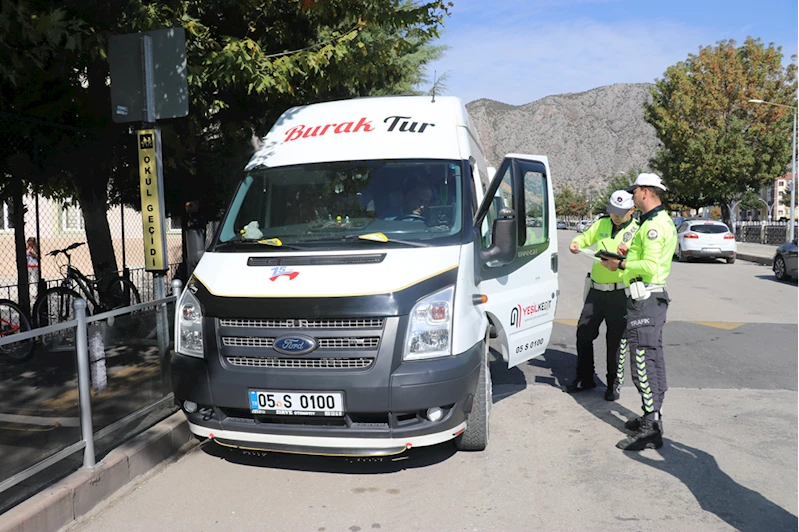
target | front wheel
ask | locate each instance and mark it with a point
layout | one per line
(475, 437)
(12, 321)
(779, 268)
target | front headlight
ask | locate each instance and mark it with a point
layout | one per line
(430, 327)
(189, 329)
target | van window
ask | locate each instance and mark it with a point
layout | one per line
(535, 203)
(502, 198)
(332, 203)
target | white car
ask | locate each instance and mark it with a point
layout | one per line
(582, 225)
(705, 238)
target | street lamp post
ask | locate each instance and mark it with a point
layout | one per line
(791, 227)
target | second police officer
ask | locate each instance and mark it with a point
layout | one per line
(605, 299)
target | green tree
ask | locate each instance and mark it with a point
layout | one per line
(715, 143)
(569, 205)
(751, 201)
(248, 61)
(785, 196)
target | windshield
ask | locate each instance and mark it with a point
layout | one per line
(399, 201)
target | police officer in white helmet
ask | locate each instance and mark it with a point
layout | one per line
(605, 299)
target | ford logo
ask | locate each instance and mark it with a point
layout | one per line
(295, 345)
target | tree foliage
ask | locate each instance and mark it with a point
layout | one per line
(569, 204)
(716, 144)
(248, 61)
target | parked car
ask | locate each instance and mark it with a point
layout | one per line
(582, 225)
(784, 264)
(562, 225)
(705, 238)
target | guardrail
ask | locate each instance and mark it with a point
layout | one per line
(135, 375)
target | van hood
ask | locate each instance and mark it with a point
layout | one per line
(340, 274)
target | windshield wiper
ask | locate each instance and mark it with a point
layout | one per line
(371, 237)
(267, 242)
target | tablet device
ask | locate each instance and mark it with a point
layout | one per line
(608, 254)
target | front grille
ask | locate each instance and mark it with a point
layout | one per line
(359, 323)
(369, 342)
(301, 363)
(250, 341)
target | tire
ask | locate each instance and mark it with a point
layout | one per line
(120, 293)
(475, 437)
(779, 269)
(13, 320)
(680, 255)
(731, 260)
(56, 305)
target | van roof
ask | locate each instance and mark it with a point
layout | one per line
(394, 127)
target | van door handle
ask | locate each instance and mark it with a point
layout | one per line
(555, 262)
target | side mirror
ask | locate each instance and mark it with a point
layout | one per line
(503, 239)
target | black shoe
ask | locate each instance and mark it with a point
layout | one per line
(648, 436)
(612, 394)
(635, 424)
(579, 386)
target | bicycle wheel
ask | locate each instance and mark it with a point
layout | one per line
(120, 293)
(56, 305)
(13, 320)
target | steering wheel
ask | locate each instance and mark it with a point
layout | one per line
(413, 217)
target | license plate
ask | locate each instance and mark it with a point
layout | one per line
(714, 250)
(283, 403)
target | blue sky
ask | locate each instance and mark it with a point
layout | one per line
(518, 51)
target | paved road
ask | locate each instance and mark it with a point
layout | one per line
(729, 462)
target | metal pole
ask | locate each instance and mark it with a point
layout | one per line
(791, 227)
(176, 286)
(162, 327)
(84, 384)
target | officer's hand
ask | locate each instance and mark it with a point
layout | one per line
(623, 249)
(574, 248)
(610, 263)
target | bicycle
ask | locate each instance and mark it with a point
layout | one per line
(55, 305)
(13, 320)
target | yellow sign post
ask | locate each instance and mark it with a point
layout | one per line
(152, 200)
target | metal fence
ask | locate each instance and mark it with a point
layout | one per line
(72, 402)
(55, 223)
(773, 233)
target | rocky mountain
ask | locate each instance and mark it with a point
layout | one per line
(588, 136)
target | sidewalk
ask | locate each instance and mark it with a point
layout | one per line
(760, 253)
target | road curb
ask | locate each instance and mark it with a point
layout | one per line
(754, 258)
(59, 505)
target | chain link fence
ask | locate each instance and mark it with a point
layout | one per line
(32, 225)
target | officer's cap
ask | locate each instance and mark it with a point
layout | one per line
(620, 202)
(646, 180)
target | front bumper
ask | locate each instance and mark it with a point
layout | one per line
(384, 404)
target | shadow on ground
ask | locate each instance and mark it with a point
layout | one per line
(715, 491)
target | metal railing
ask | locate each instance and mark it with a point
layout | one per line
(762, 232)
(81, 324)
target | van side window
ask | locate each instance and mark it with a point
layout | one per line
(535, 206)
(503, 198)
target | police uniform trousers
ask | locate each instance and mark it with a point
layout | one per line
(610, 307)
(642, 343)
